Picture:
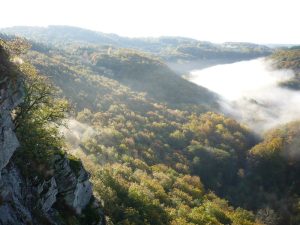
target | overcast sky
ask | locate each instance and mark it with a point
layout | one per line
(260, 21)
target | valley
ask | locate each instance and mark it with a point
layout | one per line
(218, 145)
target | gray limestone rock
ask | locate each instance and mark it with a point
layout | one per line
(76, 189)
(47, 192)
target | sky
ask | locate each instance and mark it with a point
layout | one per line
(259, 21)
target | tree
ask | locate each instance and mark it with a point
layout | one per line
(37, 119)
(41, 101)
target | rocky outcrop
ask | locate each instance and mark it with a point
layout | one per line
(26, 201)
(11, 206)
(11, 93)
(73, 186)
(67, 193)
(47, 192)
(15, 198)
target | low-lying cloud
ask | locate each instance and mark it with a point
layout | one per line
(75, 132)
(249, 91)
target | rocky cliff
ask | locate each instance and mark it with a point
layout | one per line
(64, 197)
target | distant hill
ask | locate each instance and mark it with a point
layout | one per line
(181, 50)
(60, 34)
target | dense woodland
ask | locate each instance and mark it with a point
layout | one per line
(290, 59)
(157, 147)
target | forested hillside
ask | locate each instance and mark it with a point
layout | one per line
(181, 53)
(95, 67)
(288, 59)
(157, 147)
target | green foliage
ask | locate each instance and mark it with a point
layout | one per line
(133, 196)
(278, 156)
(215, 130)
(123, 155)
(217, 168)
(271, 176)
(288, 59)
(91, 214)
(84, 75)
(133, 134)
(154, 161)
(74, 163)
(15, 46)
(36, 121)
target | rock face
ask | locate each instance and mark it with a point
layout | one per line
(47, 192)
(65, 194)
(14, 208)
(74, 187)
(22, 199)
(10, 96)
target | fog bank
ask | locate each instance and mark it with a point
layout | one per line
(75, 132)
(249, 92)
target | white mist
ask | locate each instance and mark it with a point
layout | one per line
(250, 92)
